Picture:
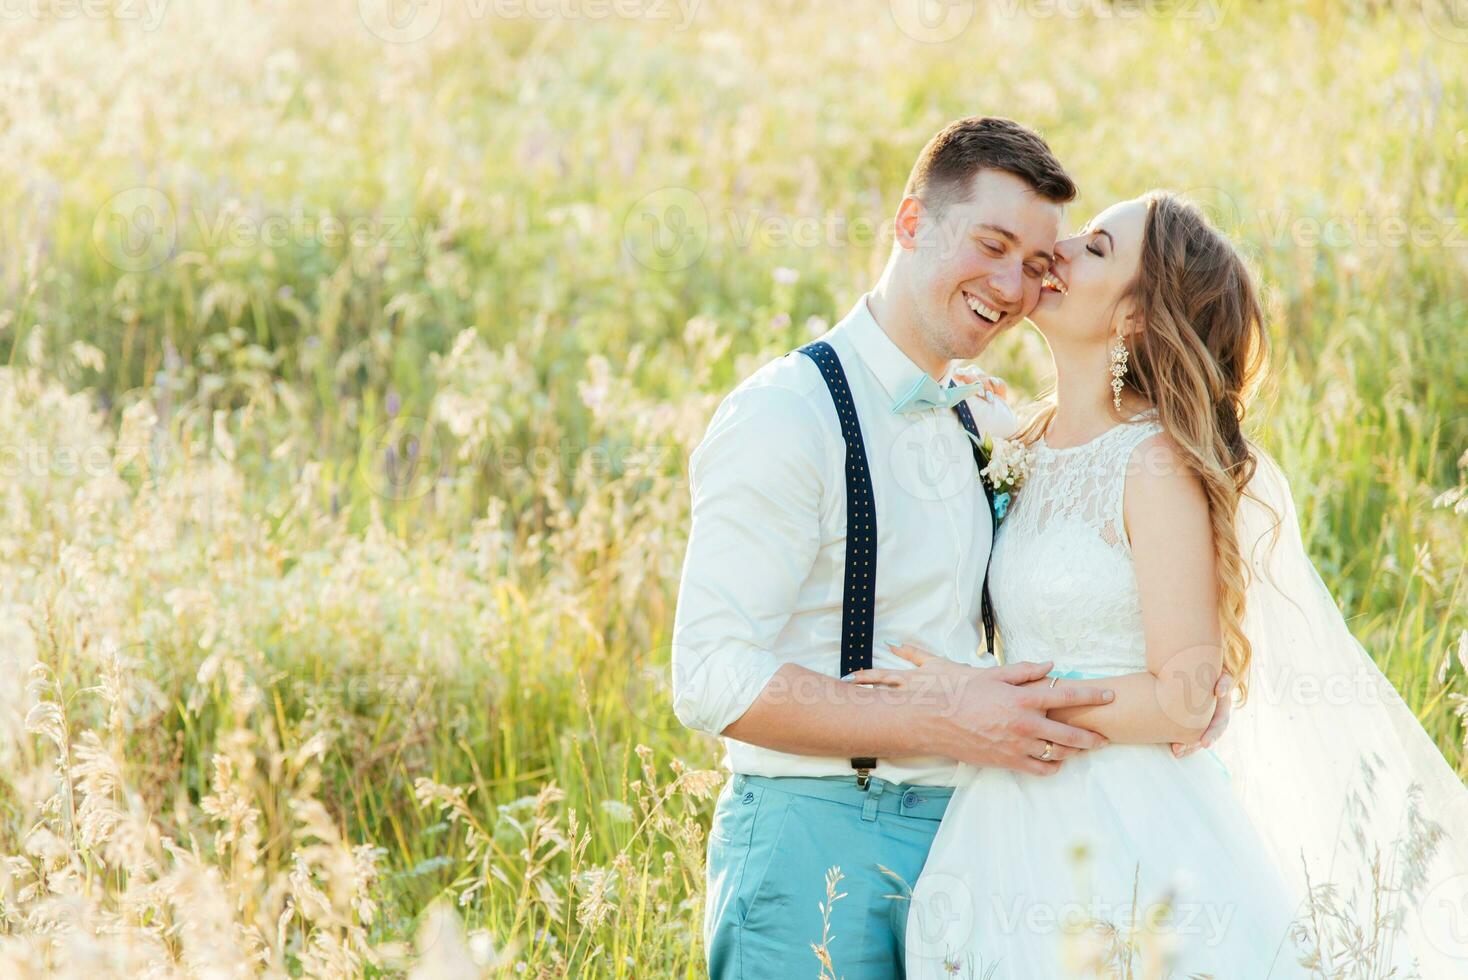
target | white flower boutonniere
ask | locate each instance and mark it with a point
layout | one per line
(1009, 466)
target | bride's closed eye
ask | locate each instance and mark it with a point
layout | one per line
(1096, 236)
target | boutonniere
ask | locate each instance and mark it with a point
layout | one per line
(1009, 466)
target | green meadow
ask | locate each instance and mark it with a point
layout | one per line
(350, 363)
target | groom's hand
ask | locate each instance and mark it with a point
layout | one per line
(987, 716)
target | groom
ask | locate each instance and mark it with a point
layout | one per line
(837, 509)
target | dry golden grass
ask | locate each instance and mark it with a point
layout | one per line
(348, 385)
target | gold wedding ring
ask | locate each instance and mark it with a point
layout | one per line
(1045, 755)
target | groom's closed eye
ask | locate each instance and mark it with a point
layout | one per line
(1035, 267)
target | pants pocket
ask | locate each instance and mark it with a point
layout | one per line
(728, 853)
(743, 841)
(777, 916)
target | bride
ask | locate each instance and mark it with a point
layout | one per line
(1154, 546)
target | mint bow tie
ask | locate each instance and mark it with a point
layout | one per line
(926, 393)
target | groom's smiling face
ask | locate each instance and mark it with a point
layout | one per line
(977, 260)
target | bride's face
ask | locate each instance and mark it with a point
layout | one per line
(1095, 268)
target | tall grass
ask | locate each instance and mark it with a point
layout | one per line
(348, 384)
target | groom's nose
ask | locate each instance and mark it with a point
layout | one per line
(1007, 284)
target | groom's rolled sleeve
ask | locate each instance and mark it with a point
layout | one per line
(756, 482)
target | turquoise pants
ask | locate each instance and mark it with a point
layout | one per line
(773, 840)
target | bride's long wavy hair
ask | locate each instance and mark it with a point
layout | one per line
(1199, 356)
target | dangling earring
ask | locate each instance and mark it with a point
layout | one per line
(1119, 356)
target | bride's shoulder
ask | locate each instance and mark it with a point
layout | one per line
(1164, 505)
(1143, 442)
(1158, 473)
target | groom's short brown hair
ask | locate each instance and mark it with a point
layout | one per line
(944, 171)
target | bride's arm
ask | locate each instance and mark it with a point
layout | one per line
(1166, 515)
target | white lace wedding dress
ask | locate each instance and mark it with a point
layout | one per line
(1128, 861)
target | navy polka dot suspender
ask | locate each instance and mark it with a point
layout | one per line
(859, 598)
(858, 602)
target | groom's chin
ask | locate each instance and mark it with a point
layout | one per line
(973, 339)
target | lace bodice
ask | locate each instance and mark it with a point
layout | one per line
(1061, 576)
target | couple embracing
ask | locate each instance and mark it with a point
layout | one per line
(986, 666)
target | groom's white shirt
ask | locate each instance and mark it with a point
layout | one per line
(762, 580)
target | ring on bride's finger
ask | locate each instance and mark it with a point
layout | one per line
(1044, 756)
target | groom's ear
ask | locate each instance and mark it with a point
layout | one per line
(910, 215)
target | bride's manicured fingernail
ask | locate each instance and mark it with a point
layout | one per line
(1108, 696)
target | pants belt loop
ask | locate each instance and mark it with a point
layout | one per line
(874, 797)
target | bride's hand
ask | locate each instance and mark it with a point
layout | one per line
(994, 385)
(1222, 706)
(992, 716)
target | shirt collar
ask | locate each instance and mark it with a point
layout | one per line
(894, 370)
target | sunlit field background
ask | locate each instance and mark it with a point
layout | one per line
(350, 358)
